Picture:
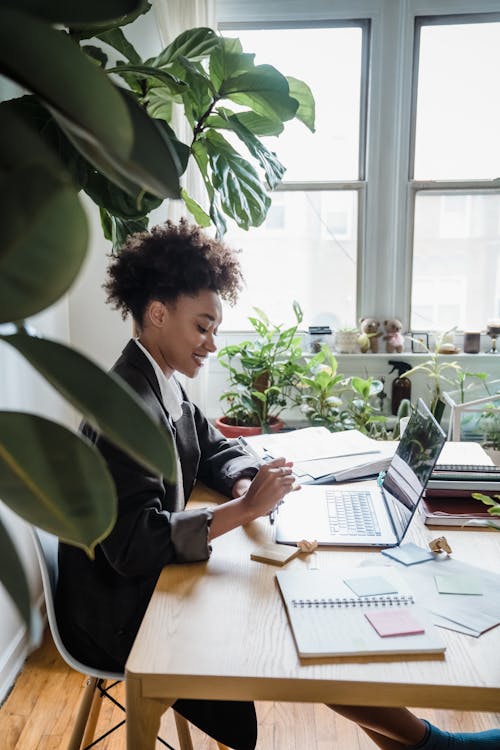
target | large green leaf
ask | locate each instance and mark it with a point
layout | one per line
(51, 65)
(13, 576)
(199, 94)
(152, 164)
(115, 200)
(44, 241)
(55, 480)
(227, 60)
(241, 192)
(117, 39)
(200, 216)
(199, 149)
(77, 12)
(303, 94)
(103, 398)
(260, 125)
(264, 90)
(273, 168)
(175, 85)
(194, 44)
(121, 229)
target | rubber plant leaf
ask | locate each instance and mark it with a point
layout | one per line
(44, 241)
(78, 90)
(103, 398)
(13, 576)
(55, 479)
(117, 39)
(241, 193)
(77, 12)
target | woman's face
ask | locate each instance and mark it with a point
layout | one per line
(183, 332)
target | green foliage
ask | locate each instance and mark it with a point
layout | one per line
(493, 507)
(489, 424)
(262, 372)
(329, 399)
(441, 372)
(88, 125)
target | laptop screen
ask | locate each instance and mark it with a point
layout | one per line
(411, 467)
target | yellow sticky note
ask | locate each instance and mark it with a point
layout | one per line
(275, 554)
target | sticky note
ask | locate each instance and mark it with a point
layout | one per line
(275, 554)
(370, 585)
(459, 584)
(409, 554)
(393, 622)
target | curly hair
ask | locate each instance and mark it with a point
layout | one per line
(169, 261)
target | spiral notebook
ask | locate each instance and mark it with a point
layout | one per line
(362, 611)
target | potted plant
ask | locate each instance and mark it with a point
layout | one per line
(319, 389)
(262, 375)
(489, 425)
(331, 400)
(441, 371)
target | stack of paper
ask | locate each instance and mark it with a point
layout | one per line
(323, 456)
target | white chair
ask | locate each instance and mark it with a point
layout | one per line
(97, 682)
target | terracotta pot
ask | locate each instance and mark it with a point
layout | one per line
(235, 430)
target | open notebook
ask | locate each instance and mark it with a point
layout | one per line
(362, 611)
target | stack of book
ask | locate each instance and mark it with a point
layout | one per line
(448, 497)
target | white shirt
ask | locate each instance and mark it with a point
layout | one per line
(170, 392)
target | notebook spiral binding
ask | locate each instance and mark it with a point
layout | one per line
(377, 601)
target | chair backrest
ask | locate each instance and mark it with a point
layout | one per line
(46, 546)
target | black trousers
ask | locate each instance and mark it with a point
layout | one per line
(233, 723)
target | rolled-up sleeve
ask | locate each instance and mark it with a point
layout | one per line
(189, 535)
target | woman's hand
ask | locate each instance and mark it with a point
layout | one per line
(271, 483)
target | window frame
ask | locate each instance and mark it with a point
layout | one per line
(387, 192)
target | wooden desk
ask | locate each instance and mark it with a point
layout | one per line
(219, 630)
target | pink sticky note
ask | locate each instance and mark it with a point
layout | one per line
(393, 622)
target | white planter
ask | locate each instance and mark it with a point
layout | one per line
(346, 342)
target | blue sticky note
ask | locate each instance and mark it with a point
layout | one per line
(459, 583)
(409, 553)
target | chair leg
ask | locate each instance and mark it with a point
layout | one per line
(93, 716)
(183, 732)
(75, 741)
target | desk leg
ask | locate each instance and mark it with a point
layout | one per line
(143, 716)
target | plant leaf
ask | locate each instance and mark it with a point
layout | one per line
(227, 60)
(201, 217)
(76, 12)
(264, 90)
(273, 168)
(303, 94)
(147, 71)
(116, 201)
(259, 125)
(78, 89)
(55, 479)
(201, 158)
(194, 44)
(121, 229)
(117, 39)
(241, 193)
(96, 54)
(44, 241)
(13, 575)
(103, 398)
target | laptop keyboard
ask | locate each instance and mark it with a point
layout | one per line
(351, 513)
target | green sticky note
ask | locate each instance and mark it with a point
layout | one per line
(459, 584)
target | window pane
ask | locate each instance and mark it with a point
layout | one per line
(456, 261)
(306, 250)
(329, 61)
(458, 106)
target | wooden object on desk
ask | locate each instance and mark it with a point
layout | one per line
(219, 630)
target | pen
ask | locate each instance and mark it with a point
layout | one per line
(251, 452)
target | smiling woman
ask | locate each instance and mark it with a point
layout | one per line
(171, 280)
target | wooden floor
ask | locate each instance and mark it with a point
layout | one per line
(38, 715)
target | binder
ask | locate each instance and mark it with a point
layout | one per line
(328, 618)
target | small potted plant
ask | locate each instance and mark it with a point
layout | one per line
(319, 390)
(262, 375)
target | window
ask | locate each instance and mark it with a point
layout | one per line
(307, 249)
(456, 246)
(392, 209)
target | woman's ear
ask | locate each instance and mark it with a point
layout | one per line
(156, 313)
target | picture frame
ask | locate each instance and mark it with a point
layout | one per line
(419, 342)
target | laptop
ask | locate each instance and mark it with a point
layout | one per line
(373, 512)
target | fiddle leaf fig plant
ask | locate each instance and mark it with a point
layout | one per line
(93, 116)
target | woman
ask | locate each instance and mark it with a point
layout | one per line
(171, 281)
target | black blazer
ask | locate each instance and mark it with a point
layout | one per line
(100, 604)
